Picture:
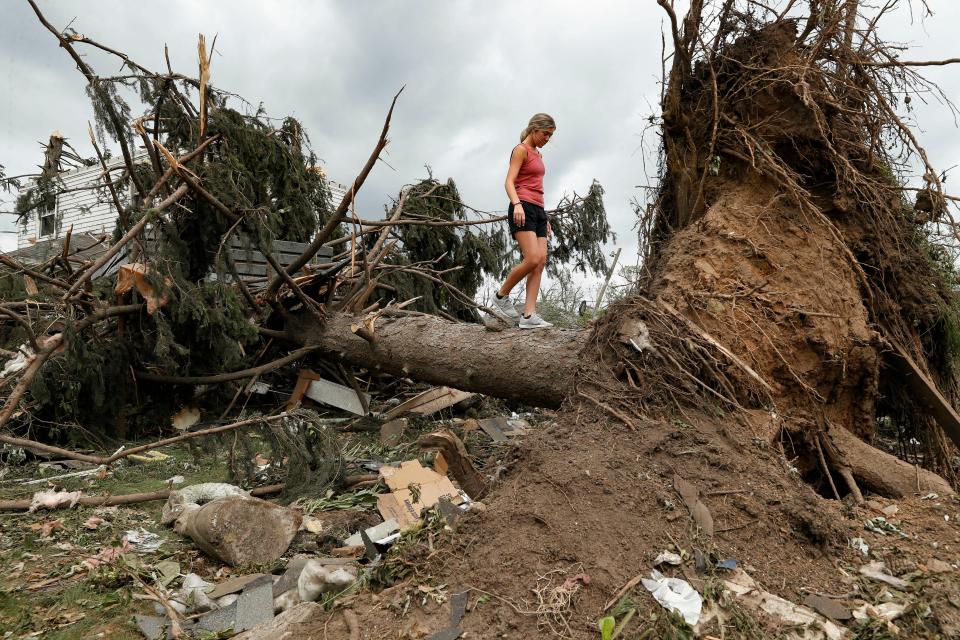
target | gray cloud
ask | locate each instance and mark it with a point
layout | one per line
(474, 72)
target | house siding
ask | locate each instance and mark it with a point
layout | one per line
(87, 210)
(91, 211)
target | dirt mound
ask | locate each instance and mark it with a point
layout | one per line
(590, 497)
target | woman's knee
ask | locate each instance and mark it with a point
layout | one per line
(533, 261)
(542, 261)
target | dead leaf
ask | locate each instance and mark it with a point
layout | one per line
(30, 286)
(311, 524)
(135, 275)
(93, 522)
(46, 527)
(185, 418)
(106, 555)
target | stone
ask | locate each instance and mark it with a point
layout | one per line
(938, 566)
(874, 505)
(828, 607)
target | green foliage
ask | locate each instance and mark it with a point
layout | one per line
(465, 255)
(102, 95)
(12, 287)
(580, 230)
(261, 170)
(606, 626)
(90, 382)
(40, 197)
(945, 329)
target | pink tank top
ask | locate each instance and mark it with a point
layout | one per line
(529, 182)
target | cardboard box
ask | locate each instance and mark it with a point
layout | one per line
(399, 503)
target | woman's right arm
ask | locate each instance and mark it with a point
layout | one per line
(516, 160)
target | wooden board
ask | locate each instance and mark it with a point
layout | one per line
(429, 402)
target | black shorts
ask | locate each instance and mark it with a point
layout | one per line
(534, 219)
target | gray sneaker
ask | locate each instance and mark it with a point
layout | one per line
(504, 306)
(534, 322)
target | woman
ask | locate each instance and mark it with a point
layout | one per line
(528, 221)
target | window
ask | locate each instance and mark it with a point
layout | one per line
(48, 223)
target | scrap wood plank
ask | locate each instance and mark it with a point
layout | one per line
(429, 401)
(501, 429)
(303, 381)
(457, 460)
(939, 407)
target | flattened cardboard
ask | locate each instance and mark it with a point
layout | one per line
(399, 503)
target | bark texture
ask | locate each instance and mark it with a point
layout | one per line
(531, 366)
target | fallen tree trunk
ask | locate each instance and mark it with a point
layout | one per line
(534, 367)
(537, 367)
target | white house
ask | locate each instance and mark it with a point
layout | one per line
(90, 209)
(80, 204)
(84, 203)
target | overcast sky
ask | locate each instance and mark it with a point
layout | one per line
(474, 73)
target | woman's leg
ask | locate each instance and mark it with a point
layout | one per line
(533, 279)
(530, 248)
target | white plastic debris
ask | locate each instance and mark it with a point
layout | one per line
(19, 362)
(143, 541)
(878, 571)
(749, 595)
(888, 611)
(54, 499)
(190, 598)
(317, 578)
(675, 594)
(666, 557)
(260, 388)
(860, 545)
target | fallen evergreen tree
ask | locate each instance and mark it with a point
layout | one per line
(117, 358)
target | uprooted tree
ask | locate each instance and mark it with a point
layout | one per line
(789, 274)
(792, 282)
(786, 268)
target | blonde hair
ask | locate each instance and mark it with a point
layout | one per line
(538, 121)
